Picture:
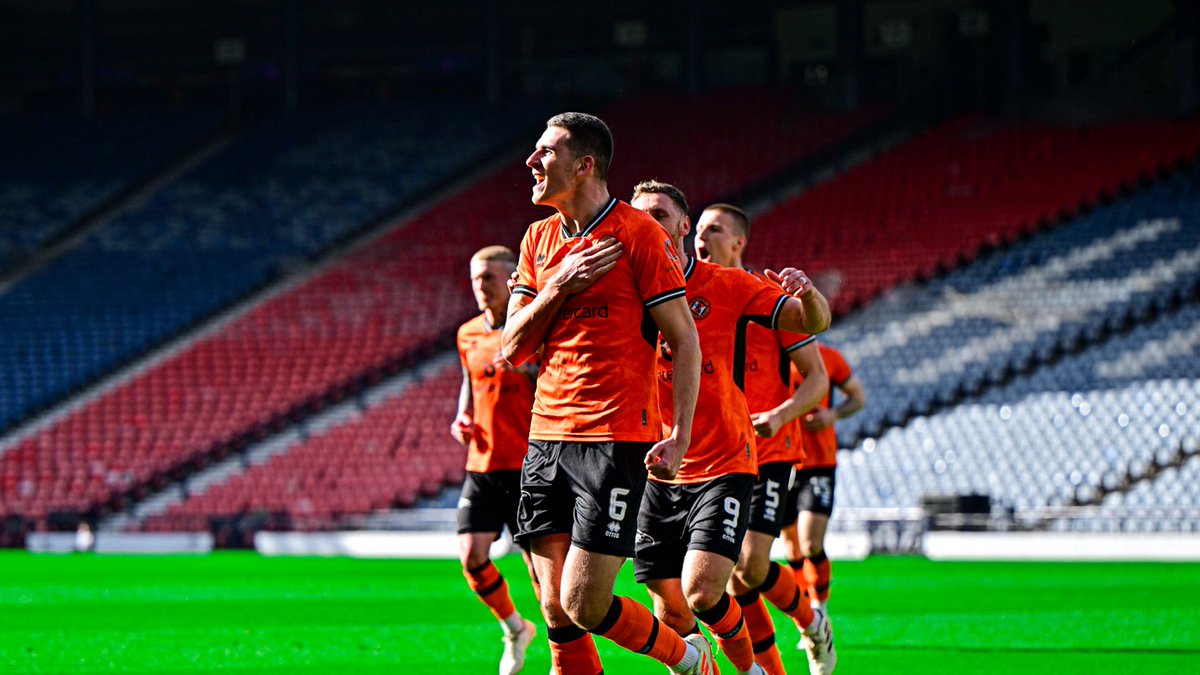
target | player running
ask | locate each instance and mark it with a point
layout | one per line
(721, 237)
(815, 485)
(494, 408)
(596, 283)
(690, 528)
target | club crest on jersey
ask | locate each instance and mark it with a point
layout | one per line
(700, 308)
(670, 250)
(541, 260)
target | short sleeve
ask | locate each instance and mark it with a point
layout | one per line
(791, 342)
(762, 302)
(657, 271)
(837, 367)
(526, 274)
(462, 352)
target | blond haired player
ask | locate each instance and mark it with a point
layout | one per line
(494, 408)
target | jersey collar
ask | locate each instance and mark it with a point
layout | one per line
(690, 268)
(612, 202)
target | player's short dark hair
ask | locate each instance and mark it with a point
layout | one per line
(740, 219)
(588, 135)
(653, 186)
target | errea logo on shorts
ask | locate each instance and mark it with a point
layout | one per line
(614, 530)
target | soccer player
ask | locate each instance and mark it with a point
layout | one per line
(596, 283)
(690, 528)
(494, 408)
(722, 233)
(815, 484)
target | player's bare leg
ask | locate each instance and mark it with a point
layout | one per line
(817, 570)
(701, 595)
(588, 580)
(571, 648)
(757, 575)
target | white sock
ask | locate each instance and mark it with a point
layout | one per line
(514, 623)
(690, 658)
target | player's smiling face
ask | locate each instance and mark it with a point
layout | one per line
(717, 240)
(553, 167)
(668, 214)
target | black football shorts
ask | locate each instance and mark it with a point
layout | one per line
(769, 505)
(489, 502)
(675, 519)
(590, 490)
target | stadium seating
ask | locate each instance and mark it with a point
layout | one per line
(57, 169)
(933, 203)
(380, 308)
(1068, 433)
(1010, 311)
(383, 457)
(281, 193)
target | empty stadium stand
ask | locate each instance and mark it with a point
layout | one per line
(934, 203)
(58, 168)
(381, 308)
(1019, 308)
(944, 362)
(281, 194)
(382, 457)
(1083, 430)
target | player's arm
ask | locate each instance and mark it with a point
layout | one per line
(855, 399)
(530, 318)
(674, 320)
(809, 312)
(463, 426)
(807, 396)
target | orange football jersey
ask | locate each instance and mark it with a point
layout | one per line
(768, 383)
(722, 301)
(501, 400)
(820, 447)
(598, 360)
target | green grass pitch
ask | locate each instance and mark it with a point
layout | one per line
(242, 613)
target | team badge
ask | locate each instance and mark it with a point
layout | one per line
(670, 250)
(700, 308)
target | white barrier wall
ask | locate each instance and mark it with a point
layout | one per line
(123, 542)
(1061, 546)
(367, 544)
(445, 545)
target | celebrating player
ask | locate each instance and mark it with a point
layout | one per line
(690, 528)
(721, 237)
(494, 408)
(596, 283)
(815, 484)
